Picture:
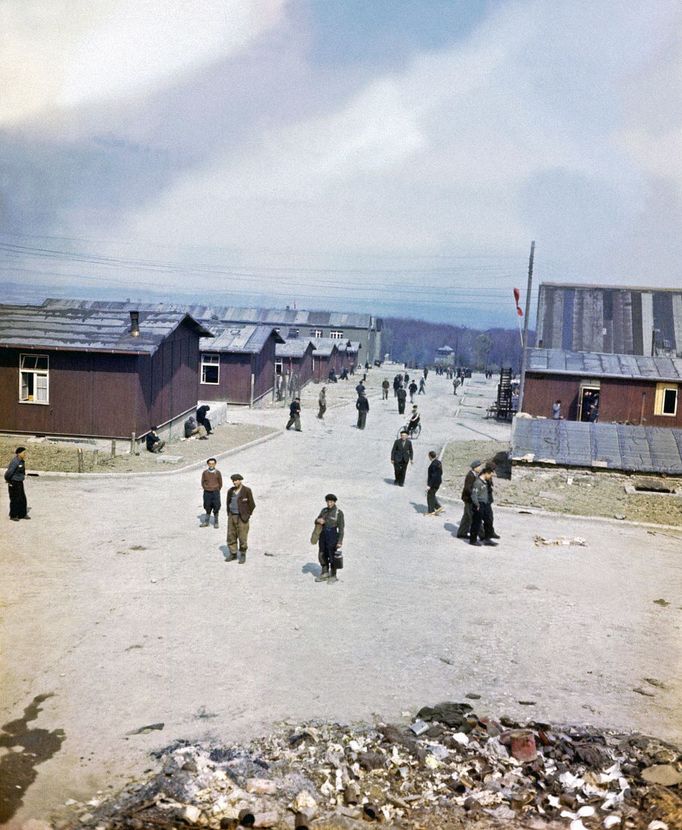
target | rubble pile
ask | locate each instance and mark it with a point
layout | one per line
(449, 768)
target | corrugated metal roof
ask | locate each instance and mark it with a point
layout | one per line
(231, 314)
(92, 330)
(595, 364)
(292, 348)
(614, 446)
(242, 339)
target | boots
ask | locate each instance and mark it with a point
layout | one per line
(332, 577)
(204, 521)
(242, 557)
(324, 575)
(215, 522)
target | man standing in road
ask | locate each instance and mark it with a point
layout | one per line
(295, 415)
(362, 406)
(401, 455)
(465, 522)
(434, 479)
(481, 512)
(401, 394)
(211, 484)
(14, 476)
(332, 524)
(385, 386)
(240, 506)
(322, 402)
(413, 391)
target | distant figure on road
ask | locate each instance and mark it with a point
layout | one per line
(556, 410)
(332, 527)
(426, 372)
(14, 476)
(385, 386)
(455, 385)
(422, 386)
(202, 420)
(240, 506)
(154, 443)
(413, 391)
(362, 406)
(401, 455)
(295, 415)
(211, 484)
(332, 376)
(434, 478)
(415, 420)
(397, 383)
(401, 394)
(481, 512)
(465, 522)
(322, 402)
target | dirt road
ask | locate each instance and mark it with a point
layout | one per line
(117, 605)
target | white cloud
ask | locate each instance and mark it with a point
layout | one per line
(65, 53)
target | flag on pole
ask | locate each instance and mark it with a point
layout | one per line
(517, 299)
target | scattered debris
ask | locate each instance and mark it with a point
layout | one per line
(663, 602)
(659, 684)
(643, 692)
(449, 768)
(143, 730)
(561, 540)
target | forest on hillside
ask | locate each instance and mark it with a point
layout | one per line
(415, 342)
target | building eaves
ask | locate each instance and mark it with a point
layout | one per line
(596, 364)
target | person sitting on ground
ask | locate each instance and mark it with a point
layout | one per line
(191, 427)
(154, 443)
(332, 376)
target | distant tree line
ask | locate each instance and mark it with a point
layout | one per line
(415, 342)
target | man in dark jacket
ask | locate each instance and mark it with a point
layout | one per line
(481, 512)
(413, 391)
(401, 394)
(401, 455)
(465, 522)
(153, 442)
(295, 415)
(240, 506)
(434, 479)
(202, 420)
(362, 406)
(14, 476)
(330, 542)
(385, 386)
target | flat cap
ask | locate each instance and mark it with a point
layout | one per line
(237, 476)
(476, 463)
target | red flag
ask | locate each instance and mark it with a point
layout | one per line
(517, 299)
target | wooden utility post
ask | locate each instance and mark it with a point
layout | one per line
(524, 343)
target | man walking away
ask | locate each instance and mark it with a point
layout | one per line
(202, 420)
(322, 402)
(422, 386)
(362, 406)
(385, 386)
(401, 455)
(154, 443)
(14, 476)
(295, 415)
(413, 391)
(240, 506)
(465, 522)
(401, 394)
(481, 513)
(434, 479)
(212, 484)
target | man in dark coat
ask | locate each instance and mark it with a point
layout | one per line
(295, 415)
(465, 522)
(434, 479)
(362, 406)
(14, 476)
(385, 386)
(481, 512)
(401, 394)
(413, 390)
(401, 455)
(330, 542)
(202, 420)
(240, 506)
(153, 442)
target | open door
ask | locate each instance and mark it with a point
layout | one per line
(588, 403)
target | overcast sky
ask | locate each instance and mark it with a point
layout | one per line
(393, 154)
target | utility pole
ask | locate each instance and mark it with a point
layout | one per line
(524, 343)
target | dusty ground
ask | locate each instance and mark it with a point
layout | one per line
(576, 492)
(117, 613)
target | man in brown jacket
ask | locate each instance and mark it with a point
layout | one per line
(212, 484)
(240, 506)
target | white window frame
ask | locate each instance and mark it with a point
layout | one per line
(661, 389)
(210, 359)
(316, 333)
(335, 334)
(40, 378)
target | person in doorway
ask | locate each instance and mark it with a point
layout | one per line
(465, 522)
(330, 543)
(481, 513)
(15, 475)
(240, 506)
(556, 410)
(385, 386)
(202, 420)
(401, 395)
(434, 478)
(153, 442)
(322, 402)
(402, 454)
(362, 406)
(211, 484)
(294, 415)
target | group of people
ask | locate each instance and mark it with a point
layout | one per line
(477, 522)
(199, 427)
(240, 506)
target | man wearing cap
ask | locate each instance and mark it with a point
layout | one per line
(240, 506)
(14, 476)
(481, 511)
(362, 406)
(401, 455)
(295, 415)
(331, 539)
(465, 522)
